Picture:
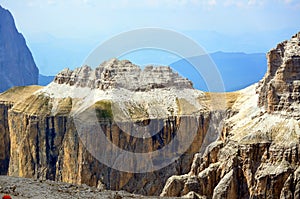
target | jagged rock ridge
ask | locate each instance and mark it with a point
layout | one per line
(257, 154)
(122, 74)
(279, 91)
(17, 67)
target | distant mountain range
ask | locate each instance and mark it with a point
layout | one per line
(238, 70)
(45, 80)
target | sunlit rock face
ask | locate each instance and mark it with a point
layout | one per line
(47, 143)
(122, 74)
(17, 67)
(257, 154)
(279, 91)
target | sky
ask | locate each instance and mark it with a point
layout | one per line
(62, 33)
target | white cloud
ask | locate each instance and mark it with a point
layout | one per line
(251, 2)
(244, 3)
(233, 3)
(164, 3)
(212, 2)
(294, 4)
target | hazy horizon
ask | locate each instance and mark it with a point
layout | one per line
(62, 34)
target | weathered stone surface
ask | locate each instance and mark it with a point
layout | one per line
(257, 154)
(4, 139)
(279, 91)
(122, 74)
(17, 67)
(45, 143)
(6, 102)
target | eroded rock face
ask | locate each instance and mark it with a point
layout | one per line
(45, 142)
(122, 74)
(279, 91)
(17, 67)
(257, 154)
(4, 138)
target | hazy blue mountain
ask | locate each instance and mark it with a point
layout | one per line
(17, 67)
(238, 70)
(45, 80)
(248, 42)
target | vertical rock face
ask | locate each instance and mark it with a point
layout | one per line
(257, 154)
(279, 91)
(45, 142)
(17, 67)
(4, 138)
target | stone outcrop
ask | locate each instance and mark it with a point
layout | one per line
(257, 154)
(279, 91)
(45, 142)
(17, 67)
(122, 74)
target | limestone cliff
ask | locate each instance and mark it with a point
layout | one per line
(42, 127)
(279, 90)
(17, 67)
(235, 145)
(257, 154)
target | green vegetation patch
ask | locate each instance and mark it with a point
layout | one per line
(103, 109)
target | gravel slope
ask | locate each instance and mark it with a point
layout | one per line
(21, 188)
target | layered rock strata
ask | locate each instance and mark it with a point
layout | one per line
(257, 154)
(47, 143)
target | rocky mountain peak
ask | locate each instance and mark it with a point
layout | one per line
(279, 90)
(122, 74)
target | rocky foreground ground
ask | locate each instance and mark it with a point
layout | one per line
(21, 188)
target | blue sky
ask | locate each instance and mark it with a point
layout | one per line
(77, 18)
(73, 28)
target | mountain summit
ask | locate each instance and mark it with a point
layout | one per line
(122, 74)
